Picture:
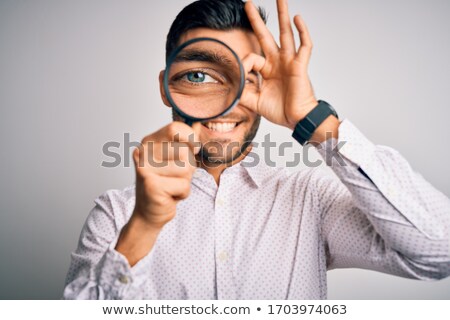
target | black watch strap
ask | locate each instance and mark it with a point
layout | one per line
(305, 128)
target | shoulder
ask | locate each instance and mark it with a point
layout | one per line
(312, 178)
(116, 205)
(320, 184)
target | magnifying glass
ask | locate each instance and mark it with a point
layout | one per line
(203, 80)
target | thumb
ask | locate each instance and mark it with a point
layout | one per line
(249, 99)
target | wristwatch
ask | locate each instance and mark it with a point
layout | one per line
(305, 128)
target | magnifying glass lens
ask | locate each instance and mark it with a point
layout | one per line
(204, 79)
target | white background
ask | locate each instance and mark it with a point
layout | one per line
(77, 74)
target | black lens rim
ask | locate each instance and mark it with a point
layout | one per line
(170, 60)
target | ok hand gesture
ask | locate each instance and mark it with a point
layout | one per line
(286, 94)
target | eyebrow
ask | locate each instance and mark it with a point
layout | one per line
(204, 56)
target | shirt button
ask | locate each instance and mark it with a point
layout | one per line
(123, 279)
(223, 256)
(220, 202)
(391, 192)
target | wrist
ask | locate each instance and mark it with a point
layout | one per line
(319, 124)
(136, 239)
(144, 218)
(328, 129)
(141, 223)
(305, 109)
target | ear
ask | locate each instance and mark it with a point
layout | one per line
(161, 89)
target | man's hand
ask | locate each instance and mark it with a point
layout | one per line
(165, 163)
(286, 95)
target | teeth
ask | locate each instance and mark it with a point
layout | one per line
(221, 127)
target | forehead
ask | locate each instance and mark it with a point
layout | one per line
(242, 42)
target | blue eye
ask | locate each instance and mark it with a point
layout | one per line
(196, 76)
(199, 77)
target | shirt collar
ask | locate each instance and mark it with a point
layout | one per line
(251, 165)
(256, 169)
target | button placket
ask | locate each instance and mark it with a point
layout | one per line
(123, 279)
(223, 220)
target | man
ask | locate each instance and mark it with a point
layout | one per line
(216, 228)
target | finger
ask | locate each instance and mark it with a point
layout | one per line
(286, 34)
(183, 133)
(304, 52)
(176, 131)
(157, 155)
(168, 168)
(177, 188)
(176, 169)
(265, 38)
(249, 100)
(255, 62)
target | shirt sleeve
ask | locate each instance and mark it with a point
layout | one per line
(97, 270)
(383, 216)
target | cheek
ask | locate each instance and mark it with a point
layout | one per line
(252, 121)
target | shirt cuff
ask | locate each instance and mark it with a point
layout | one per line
(118, 278)
(352, 145)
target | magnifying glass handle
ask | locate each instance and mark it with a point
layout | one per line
(190, 123)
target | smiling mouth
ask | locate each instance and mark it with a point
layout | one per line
(221, 127)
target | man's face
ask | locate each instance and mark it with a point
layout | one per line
(225, 138)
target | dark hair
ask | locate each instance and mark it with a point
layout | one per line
(212, 14)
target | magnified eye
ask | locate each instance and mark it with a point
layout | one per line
(199, 77)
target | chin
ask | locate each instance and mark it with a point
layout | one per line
(218, 153)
